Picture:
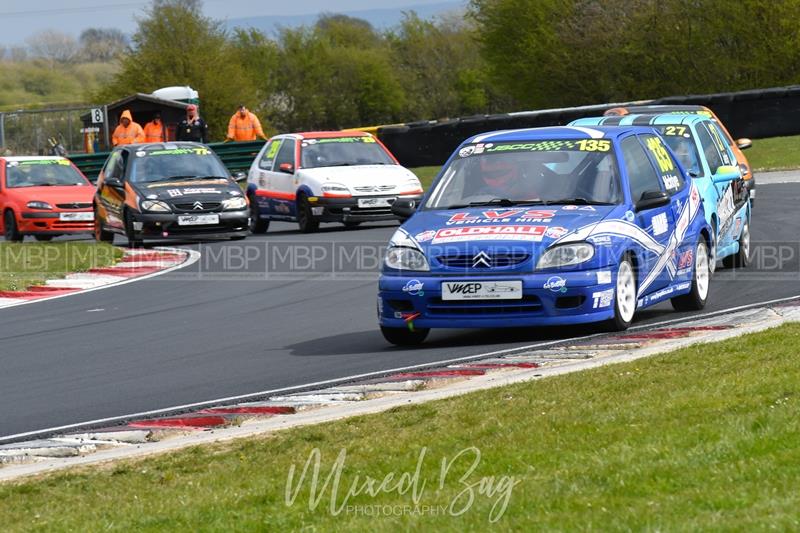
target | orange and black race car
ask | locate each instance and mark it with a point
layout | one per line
(737, 145)
(43, 196)
(165, 190)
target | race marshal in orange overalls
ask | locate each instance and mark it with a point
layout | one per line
(244, 126)
(154, 131)
(128, 131)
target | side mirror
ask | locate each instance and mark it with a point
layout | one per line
(652, 199)
(240, 176)
(726, 173)
(286, 167)
(114, 182)
(404, 208)
(744, 143)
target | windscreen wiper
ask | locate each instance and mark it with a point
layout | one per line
(575, 201)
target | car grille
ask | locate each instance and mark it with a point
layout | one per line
(74, 205)
(528, 305)
(374, 188)
(492, 260)
(189, 207)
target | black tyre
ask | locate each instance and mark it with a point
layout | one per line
(305, 219)
(100, 234)
(238, 237)
(624, 296)
(257, 225)
(740, 259)
(134, 240)
(10, 230)
(43, 238)
(701, 277)
(404, 336)
(351, 224)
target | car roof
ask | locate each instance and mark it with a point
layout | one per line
(642, 120)
(663, 108)
(556, 132)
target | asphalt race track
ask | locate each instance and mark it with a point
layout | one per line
(225, 327)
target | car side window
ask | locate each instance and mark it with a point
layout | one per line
(286, 153)
(642, 176)
(668, 172)
(722, 143)
(271, 150)
(109, 171)
(709, 148)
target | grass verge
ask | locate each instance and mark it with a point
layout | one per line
(776, 153)
(426, 175)
(25, 264)
(703, 438)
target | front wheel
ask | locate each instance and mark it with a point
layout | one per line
(134, 241)
(305, 217)
(405, 336)
(257, 224)
(10, 230)
(696, 299)
(624, 296)
(100, 234)
(740, 259)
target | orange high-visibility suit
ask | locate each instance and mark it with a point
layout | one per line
(154, 132)
(246, 128)
(132, 134)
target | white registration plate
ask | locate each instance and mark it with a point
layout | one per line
(373, 202)
(482, 290)
(197, 220)
(76, 217)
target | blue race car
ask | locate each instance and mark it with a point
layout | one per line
(546, 226)
(703, 150)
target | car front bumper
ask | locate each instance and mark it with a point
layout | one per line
(586, 296)
(165, 225)
(326, 209)
(50, 223)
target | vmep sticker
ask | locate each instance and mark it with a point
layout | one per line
(556, 284)
(466, 151)
(425, 236)
(555, 232)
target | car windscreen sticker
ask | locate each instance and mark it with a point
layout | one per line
(676, 131)
(180, 151)
(503, 215)
(330, 140)
(490, 233)
(578, 145)
(30, 162)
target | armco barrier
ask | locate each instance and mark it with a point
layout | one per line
(237, 156)
(756, 114)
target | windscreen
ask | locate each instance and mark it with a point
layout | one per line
(176, 163)
(42, 173)
(681, 141)
(532, 172)
(342, 151)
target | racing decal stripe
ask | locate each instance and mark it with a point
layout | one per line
(611, 121)
(275, 194)
(644, 120)
(614, 228)
(688, 214)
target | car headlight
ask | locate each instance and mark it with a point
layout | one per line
(336, 188)
(401, 258)
(234, 203)
(566, 255)
(155, 205)
(39, 205)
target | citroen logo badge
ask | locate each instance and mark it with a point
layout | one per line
(481, 259)
(198, 206)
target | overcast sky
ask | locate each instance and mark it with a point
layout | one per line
(19, 19)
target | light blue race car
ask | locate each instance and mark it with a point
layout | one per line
(703, 150)
(547, 226)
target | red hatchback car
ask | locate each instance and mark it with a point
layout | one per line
(43, 196)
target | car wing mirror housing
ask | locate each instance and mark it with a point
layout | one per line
(404, 208)
(744, 143)
(288, 168)
(726, 173)
(652, 199)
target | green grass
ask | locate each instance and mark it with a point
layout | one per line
(706, 438)
(25, 264)
(426, 175)
(776, 153)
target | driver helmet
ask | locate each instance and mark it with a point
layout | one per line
(498, 172)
